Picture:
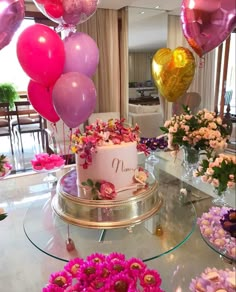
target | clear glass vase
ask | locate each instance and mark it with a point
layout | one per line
(190, 161)
(220, 199)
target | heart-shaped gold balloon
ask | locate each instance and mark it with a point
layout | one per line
(173, 71)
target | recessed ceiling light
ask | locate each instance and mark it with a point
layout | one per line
(142, 12)
(158, 6)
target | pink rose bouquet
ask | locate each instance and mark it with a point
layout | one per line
(203, 131)
(105, 273)
(219, 171)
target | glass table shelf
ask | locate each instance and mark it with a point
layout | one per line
(164, 232)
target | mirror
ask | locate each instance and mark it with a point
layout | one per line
(147, 32)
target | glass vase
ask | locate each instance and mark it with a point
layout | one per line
(190, 161)
(220, 199)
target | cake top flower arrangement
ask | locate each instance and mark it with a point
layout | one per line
(103, 134)
(105, 273)
(202, 131)
(44, 161)
(219, 171)
(5, 166)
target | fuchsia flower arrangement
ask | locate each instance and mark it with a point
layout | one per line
(101, 134)
(5, 166)
(44, 161)
(105, 273)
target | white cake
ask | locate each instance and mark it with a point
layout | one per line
(113, 163)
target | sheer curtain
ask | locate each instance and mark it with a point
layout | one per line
(203, 81)
(109, 29)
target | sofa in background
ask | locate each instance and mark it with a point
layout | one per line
(148, 117)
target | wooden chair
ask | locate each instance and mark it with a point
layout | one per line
(27, 121)
(5, 127)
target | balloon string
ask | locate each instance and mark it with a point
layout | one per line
(202, 62)
(54, 130)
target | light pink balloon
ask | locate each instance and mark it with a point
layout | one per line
(72, 13)
(12, 13)
(82, 54)
(41, 99)
(74, 98)
(206, 24)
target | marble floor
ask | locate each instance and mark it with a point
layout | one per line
(25, 268)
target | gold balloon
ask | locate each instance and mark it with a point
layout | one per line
(173, 71)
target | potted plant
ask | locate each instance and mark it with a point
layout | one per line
(8, 94)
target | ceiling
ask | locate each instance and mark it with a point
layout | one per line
(147, 24)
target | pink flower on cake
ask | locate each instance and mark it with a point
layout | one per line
(100, 190)
(107, 191)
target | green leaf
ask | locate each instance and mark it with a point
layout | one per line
(84, 183)
(97, 185)
(90, 183)
(3, 216)
(164, 129)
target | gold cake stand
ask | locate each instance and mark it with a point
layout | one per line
(73, 205)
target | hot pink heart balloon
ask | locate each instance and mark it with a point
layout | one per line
(12, 13)
(41, 99)
(74, 98)
(206, 24)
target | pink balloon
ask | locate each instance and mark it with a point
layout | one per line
(41, 54)
(41, 99)
(82, 54)
(206, 24)
(74, 98)
(67, 12)
(12, 13)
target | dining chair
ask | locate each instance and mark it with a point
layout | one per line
(5, 127)
(27, 121)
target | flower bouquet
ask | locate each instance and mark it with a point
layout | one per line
(46, 162)
(103, 133)
(5, 166)
(105, 273)
(203, 131)
(219, 171)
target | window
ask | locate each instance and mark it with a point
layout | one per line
(10, 68)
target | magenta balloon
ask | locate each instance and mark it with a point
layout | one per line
(41, 54)
(67, 12)
(11, 15)
(74, 98)
(41, 99)
(82, 54)
(206, 24)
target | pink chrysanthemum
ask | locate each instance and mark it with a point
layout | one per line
(135, 266)
(122, 283)
(96, 258)
(53, 288)
(88, 271)
(73, 266)
(115, 256)
(117, 266)
(61, 279)
(150, 279)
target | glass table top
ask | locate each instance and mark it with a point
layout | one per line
(164, 232)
